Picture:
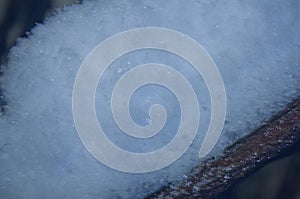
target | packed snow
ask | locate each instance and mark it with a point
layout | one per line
(255, 44)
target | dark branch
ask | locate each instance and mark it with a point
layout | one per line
(250, 153)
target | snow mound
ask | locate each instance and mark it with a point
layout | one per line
(255, 45)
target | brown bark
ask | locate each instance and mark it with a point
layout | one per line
(255, 150)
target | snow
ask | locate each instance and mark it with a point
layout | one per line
(255, 45)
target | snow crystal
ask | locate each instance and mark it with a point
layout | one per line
(255, 44)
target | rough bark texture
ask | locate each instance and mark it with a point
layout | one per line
(214, 176)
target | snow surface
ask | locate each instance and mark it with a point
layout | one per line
(255, 44)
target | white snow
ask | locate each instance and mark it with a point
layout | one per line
(255, 44)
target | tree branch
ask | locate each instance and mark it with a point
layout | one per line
(248, 154)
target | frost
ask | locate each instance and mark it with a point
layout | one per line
(40, 152)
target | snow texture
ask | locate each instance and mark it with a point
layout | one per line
(255, 44)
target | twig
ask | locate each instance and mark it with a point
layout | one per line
(250, 153)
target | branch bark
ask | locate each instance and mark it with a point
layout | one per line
(214, 176)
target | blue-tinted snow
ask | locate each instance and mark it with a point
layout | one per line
(255, 44)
